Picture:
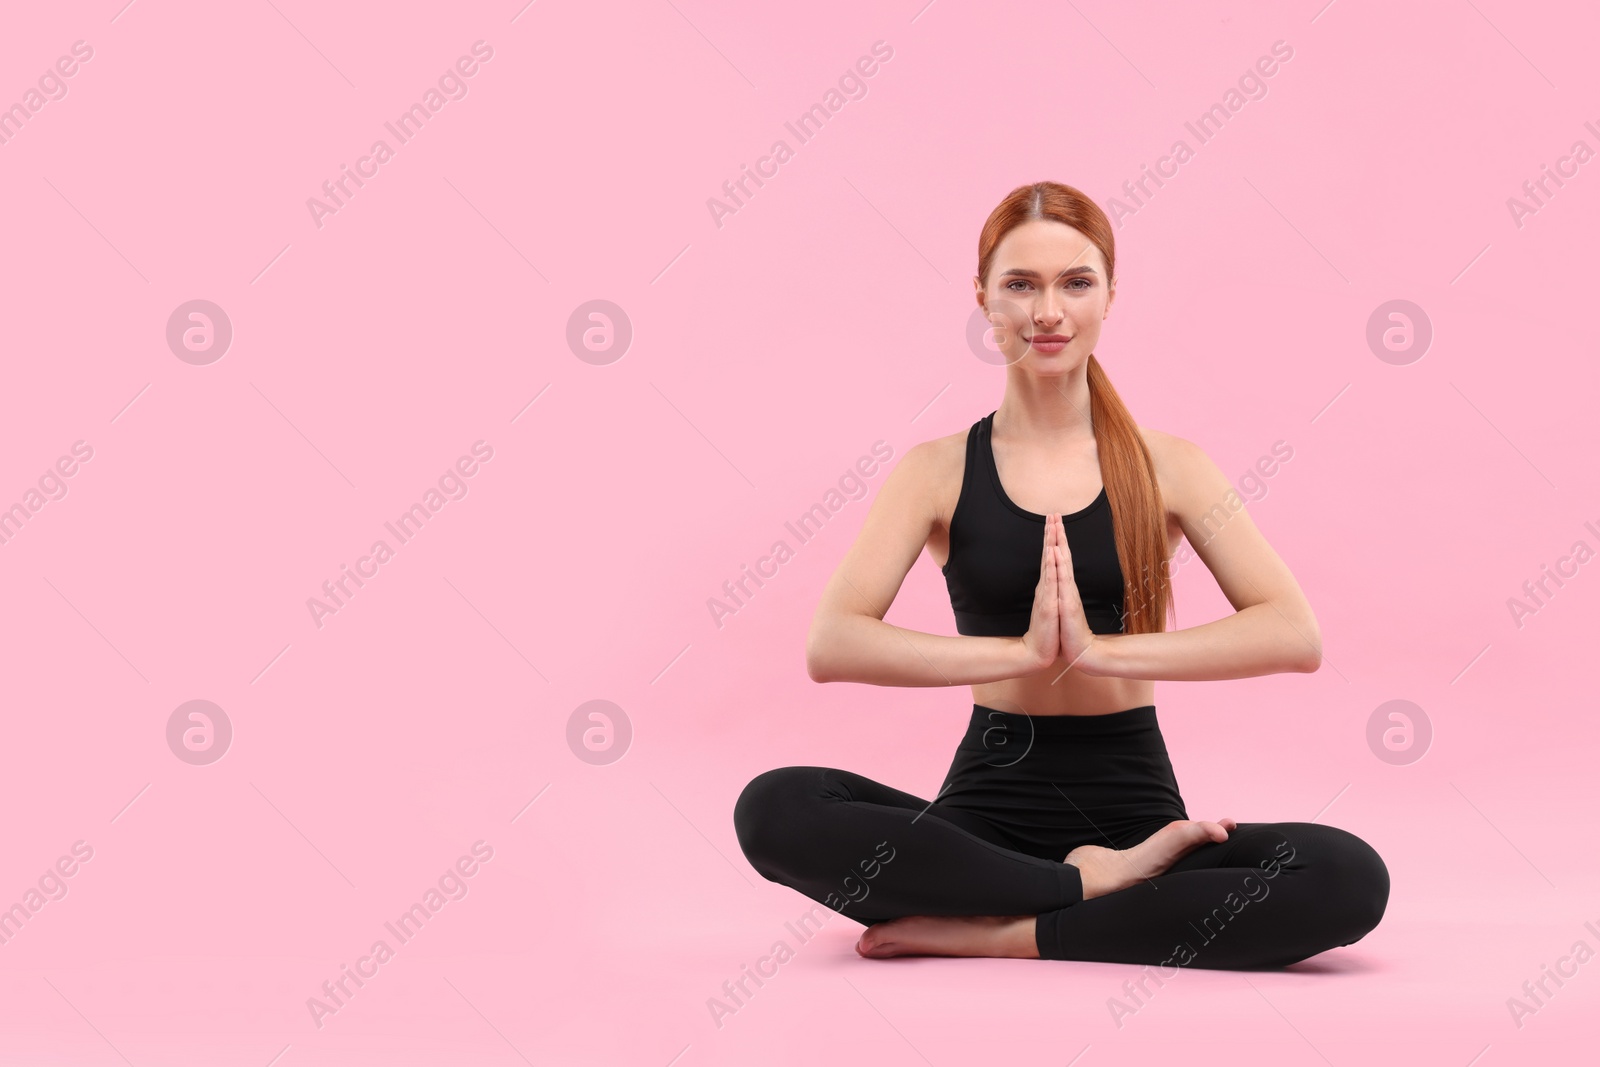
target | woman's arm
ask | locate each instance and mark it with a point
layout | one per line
(850, 642)
(1272, 630)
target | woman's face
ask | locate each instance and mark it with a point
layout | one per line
(1047, 295)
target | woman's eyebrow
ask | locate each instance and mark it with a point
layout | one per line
(1023, 272)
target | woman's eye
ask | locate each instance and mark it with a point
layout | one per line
(1015, 282)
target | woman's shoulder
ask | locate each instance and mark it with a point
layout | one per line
(937, 458)
(1162, 445)
(934, 469)
(941, 451)
(1182, 466)
(1170, 448)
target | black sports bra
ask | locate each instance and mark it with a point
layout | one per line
(995, 547)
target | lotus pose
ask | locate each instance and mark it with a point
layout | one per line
(1059, 832)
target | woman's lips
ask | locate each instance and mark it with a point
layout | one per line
(1048, 342)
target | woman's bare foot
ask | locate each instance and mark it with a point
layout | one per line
(1106, 870)
(1103, 870)
(1005, 937)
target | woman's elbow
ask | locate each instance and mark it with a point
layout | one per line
(818, 658)
(1309, 646)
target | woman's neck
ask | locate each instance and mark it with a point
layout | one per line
(1054, 408)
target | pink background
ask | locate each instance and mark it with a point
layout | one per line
(767, 356)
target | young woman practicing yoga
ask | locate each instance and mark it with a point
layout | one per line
(1059, 832)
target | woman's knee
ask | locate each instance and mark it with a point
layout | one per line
(1356, 881)
(767, 812)
(1370, 883)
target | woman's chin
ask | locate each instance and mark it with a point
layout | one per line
(1048, 364)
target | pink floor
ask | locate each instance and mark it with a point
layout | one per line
(614, 909)
(180, 889)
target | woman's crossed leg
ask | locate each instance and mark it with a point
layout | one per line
(937, 881)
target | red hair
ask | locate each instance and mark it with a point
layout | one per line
(1126, 468)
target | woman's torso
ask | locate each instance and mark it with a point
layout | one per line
(1036, 481)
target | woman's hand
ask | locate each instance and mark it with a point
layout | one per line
(1059, 629)
(1043, 639)
(1078, 645)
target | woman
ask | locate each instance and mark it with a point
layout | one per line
(1059, 832)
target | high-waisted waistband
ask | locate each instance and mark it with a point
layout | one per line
(1053, 782)
(998, 729)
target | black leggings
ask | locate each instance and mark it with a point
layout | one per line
(1021, 793)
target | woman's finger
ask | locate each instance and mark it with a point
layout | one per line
(1046, 565)
(1053, 538)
